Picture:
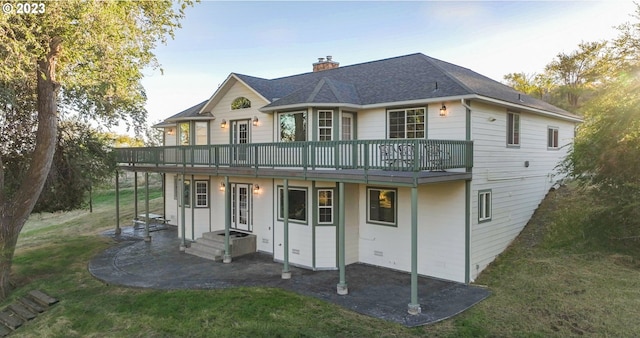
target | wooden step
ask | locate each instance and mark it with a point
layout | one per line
(10, 319)
(22, 311)
(4, 331)
(35, 307)
(42, 298)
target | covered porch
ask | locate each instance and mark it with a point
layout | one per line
(373, 291)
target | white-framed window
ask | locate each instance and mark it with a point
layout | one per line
(347, 127)
(184, 134)
(382, 206)
(202, 194)
(325, 206)
(513, 129)
(484, 206)
(292, 126)
(297, 204)
(407, 123)
(202, 133)
(325, 125)
(552, 137)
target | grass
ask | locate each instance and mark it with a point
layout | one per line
(558, 279)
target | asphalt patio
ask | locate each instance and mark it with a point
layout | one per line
(373, 291)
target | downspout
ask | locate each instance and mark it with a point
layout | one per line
(467, 202)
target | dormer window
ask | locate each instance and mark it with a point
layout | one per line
(240, 103)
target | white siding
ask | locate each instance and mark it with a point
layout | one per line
(517, 190)
(326, 247)
(440, 232)
(352, 221)
(450, 127)
(300, 235)
(259, 133)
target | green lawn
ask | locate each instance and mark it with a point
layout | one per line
(556, 280)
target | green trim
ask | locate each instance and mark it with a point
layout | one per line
(306, 200)
(227, 219)
(182, 212)
(341, 238)
(193, 210)
(414, 249)
(480, 192)
(285, 268)
(314, 217)
(395, 207)
(468, 120)
(467, 232)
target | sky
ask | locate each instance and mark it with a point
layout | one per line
(275, 39)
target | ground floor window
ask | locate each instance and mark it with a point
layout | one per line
(297, 204)
(382, 206)
(484, 206)
(325, 206)
(552, 138)
(186, 194)
(202, 194)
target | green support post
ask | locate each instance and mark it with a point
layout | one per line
(135, 196)
(414, 306)
(147, 237)
(183, 244)
(286, 274)
(118, 230)
(342, 285)
(227, 220)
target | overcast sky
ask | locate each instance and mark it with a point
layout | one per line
(275, 39)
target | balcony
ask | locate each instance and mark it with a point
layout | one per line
(389, 157)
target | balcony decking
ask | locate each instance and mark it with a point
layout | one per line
(399, 161)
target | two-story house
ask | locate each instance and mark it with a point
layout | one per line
(408, 163)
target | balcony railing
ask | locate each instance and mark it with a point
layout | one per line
(391, 154)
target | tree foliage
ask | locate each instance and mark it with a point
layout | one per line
(606, 153)
(79, 57)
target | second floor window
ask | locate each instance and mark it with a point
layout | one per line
(325, 123)
(407, 123)
(201, 129)
(293, 126)
(513, 129)
(185, 134)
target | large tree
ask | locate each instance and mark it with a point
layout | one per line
(84, 57)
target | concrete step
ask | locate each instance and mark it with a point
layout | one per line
(205, 247)
(203, 254)
(215, 236)
(213, 245)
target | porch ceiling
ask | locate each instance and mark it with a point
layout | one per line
(389, 177)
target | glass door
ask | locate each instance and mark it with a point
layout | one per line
(240, 140)
(241, 207)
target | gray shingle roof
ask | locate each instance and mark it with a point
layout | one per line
(405, 78)
(189, 112)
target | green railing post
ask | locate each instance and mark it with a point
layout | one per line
(342, 285)
(414, 306)
(227, 220)
(286, 274)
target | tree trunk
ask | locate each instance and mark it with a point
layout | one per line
(15, 210)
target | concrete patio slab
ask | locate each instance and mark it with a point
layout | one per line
(373, 291)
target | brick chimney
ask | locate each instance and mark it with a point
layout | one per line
(323, 64)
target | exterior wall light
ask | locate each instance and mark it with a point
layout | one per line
(171, 131)
(256, 189)
(443, 110)
(255, 120)
(222, 186)
(223, 124)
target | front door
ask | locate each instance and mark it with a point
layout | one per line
(241, 207)
(240, 139)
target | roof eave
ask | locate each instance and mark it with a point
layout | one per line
(530, 109)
